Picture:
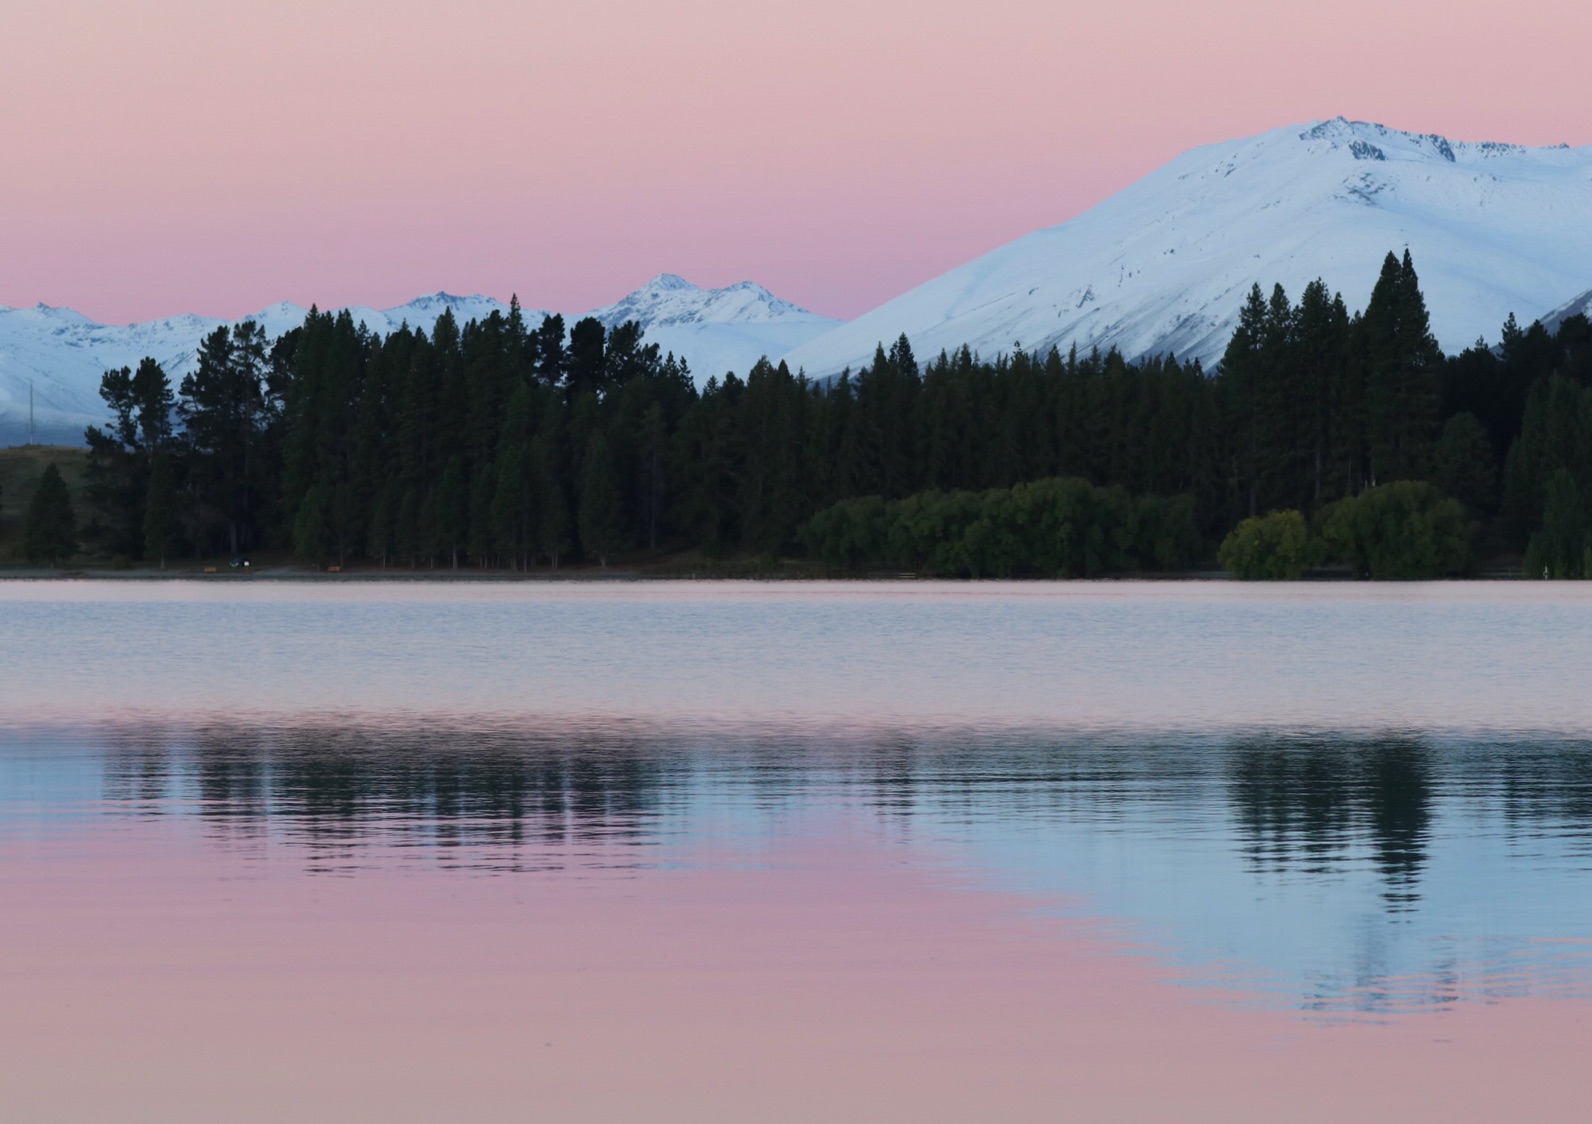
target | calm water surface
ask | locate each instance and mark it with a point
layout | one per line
(1333, 806)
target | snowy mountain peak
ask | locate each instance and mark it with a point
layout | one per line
(56, 314)
(668, 299)
(1163, 265)
(1366, 140)
(669, 283)
(715, 330)
(440, 300)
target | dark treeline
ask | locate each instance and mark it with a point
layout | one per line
(504, 444)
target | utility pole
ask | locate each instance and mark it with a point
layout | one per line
(31, 433)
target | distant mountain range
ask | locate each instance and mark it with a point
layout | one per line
(1162, 266)
(62, 353)
(716, 330)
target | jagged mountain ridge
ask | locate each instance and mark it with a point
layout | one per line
(1164, 265)
(63, 353)
(716, 330)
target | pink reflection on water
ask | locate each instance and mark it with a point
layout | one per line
(1443, 656)
(146, 980)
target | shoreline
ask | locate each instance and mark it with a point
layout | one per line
(294, 575)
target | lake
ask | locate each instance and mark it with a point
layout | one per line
(702, 851)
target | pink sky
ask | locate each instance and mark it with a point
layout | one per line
(184, 155)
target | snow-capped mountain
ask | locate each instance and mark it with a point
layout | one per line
(715, 330)
(1575, 306)
(1165, 264)
(62, 354)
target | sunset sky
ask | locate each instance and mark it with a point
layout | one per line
(174, 156)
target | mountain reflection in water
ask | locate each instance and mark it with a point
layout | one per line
(1347, 875)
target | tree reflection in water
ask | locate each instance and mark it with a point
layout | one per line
(1313, 857)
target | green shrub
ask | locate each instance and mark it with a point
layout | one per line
(1559, 549)
(1061, 527)
(1272, 547)
(1401, 531)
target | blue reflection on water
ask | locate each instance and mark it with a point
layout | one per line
(1348, 875)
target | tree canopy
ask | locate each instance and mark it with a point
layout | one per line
(498, 443)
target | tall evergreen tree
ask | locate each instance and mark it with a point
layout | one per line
(1401, 374)
(1242, 379)
(599, 502)
(160, 509)
(49, 530)
(450, 516)
(222, 408)
(120, 456)
(586, 372)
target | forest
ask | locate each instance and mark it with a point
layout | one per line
(1324, 439)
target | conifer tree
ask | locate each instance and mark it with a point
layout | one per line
(221, 405)
(49, 530)
(312, 525)
(1462, 463)
(482, 539)
(550, 352)
(1401, 374)
(153, 403)
(1242, 376)
(653, 448)
(514, 491)
(450, 515)
(121, 454)
(160, 509)
(380, 532)
(552, 505)
(599, 502)
(587, 371)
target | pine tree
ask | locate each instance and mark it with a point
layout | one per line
(1401, 374)
(312, 526)
(552, 505)
(551, 356)
(587, 370)
(1241, 379)
(121, 454)
(380, 537)
(160, 509)
(222, 407)
(599, 502)
(482, 539)
(513, 494)
(450, 513)
(1322, 334)
(654, 445)
(153, 403)
(49, 530)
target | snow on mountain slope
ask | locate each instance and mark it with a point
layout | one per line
(1575, 306)
(63, 354)
(1165, 264)
(715, 330)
